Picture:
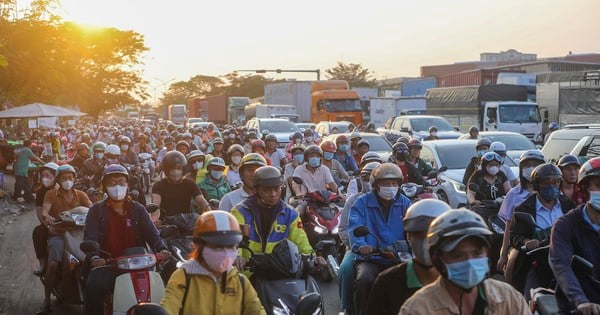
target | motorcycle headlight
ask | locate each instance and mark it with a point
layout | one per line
(137, 262)
(410, 191)
(335, 230)
(79, 218)
(320, 230)
(457, 185)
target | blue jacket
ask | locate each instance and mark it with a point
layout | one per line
(347, 161)
(572, 235)
(367, 211)
(96, 225)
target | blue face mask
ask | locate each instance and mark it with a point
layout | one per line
(549, 193)
(299, 158)
(216, 174)
(344, 147)
(328, 155)
(469, 273)
(595, 200)
(314, 161)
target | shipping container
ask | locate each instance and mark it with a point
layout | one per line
(297, 93)
(417, 87)
(474, 77)
(366, 93)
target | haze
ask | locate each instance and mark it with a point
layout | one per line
(392, 38)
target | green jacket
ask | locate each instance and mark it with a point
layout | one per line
(216, 190)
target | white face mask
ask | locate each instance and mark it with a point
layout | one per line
(99, 156)
(48, 181)
(308, 139)
(67, 184)
(434, 133)
(219, 260)
(175, 175)
(117, 192)
(492, 170)
(236, 160)
(113, 161)
(595, 200)
(527, 172)
(197, 165)
(387, 193)
(124, 147)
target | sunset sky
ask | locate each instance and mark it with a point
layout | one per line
(392, 38)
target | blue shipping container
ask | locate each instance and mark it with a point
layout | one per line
(417, 87)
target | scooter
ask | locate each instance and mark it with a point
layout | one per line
(145, 160)
(177, 232)
(137, 281)
(68, 286)
(389, 256)
(283, 282)
(416, 192)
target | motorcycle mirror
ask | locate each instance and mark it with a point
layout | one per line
(134, 194)
(581, 266)
(361, 231)
(497, 221)
(89, 247)
(432, 174)
(442, 169)
(152, 207)
(524, 218)
(474, 187)
(309, 303)
(298, 180)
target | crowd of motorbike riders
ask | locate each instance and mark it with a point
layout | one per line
(234, 176)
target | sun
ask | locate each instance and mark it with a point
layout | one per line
(106, 13)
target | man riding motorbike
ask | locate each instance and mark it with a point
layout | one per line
(249, 164)
(355, 185)
(235, 153)
(343, 155)
(48, 173)
(410, 172)
(335, 167)
(83, 153)
(91, 171)
(277, 157)
(116, 223)
(215, 185)
(314, 175)
(482, 146)
(381, 211)
(57, 200)
(414, 149)
(128, 156)
(569, 166)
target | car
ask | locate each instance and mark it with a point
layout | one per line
(563, 141)
(324, 127)
(304, 126)
(417, 127)
(280, 127)
(377, 143)
(191, 121)
(455, 154)
(515, 143)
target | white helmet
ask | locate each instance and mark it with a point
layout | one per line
(498, 147)
(420, 214)
(113, 149)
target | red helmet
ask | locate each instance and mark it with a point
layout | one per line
(328, 146)
(588, 169)
(258, 143)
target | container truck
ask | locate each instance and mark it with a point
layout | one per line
(497, 107)
(382, 108)
(271, 111)
(315, 101)
(219, 109)
(177, 113)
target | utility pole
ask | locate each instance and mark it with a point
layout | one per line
(317, 71)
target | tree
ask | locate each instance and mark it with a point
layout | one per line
(249, 85)
(354, 73)
(198, 86)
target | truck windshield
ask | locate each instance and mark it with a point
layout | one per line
(343, 106)
(519, 113)
(278, 126)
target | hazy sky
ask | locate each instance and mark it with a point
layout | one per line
(392, 38)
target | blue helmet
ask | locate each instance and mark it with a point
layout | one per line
(115, 169)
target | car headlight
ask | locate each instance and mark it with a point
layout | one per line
(457, 185)
(136, 262)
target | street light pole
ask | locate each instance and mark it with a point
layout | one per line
(317, 71)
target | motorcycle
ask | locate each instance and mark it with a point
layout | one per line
(283, 282)
(145, 160)
(416, 192)
(68, 286)
(321, 220)
(176, 231)
(137, 281)
(389, 256)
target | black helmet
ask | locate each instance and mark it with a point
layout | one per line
(544, 171)
(567, 160)
(268, 176)
(483, 141)
(400, 150)
(473, 129)
(115, 169)
(173, 160)
(311, 149)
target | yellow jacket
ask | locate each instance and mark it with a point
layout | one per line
(205, 295)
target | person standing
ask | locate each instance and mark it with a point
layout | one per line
(21, 169)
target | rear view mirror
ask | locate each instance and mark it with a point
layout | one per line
(442, 169)
(309, 303)
(89, 247)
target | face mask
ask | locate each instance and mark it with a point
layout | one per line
(67, 184)
(113, 161)
(314, 161)
(469, 273)
(527, 172)
(99, 156)
(117, 192)
(298, 140)
(309, 139)
(434, 134)
(48, 181)
(231, 136)
(420, 250)
(299, 158)
(175, 175)
(328, 155)
(197, 166)
(492, 170)
(344, 147)
(236, 160)
(216, 174)
(550, 193)
(219, 260)
(125, 147)
(595, 200)
(387, 193)
(366, 186)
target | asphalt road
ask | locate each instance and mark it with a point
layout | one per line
(21, 292)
